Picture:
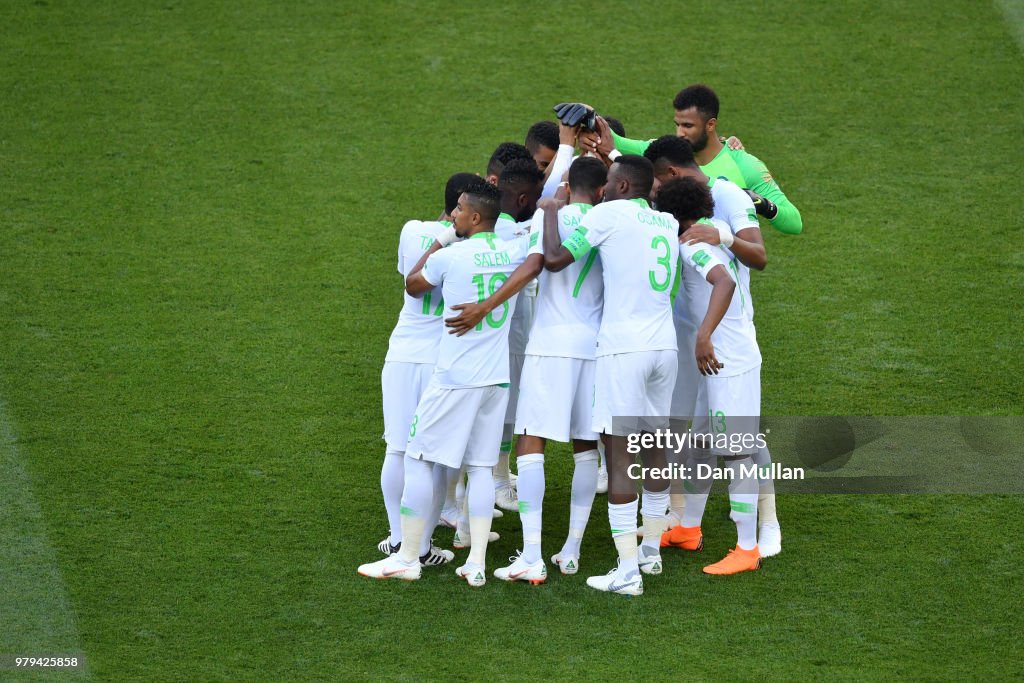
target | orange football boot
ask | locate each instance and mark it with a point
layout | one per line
(738, 560)
(685, 537)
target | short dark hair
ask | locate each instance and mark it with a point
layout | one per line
(484, 197)
(542, 134)
(700, 96)
(616, 126)
(674, 150)
(587, 174)
(520, 173)
(506, 152)
(686, 198)
(640, 172)
(456, 185)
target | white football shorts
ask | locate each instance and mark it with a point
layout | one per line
(634, 390)
(456, 427)
(556, 398)
(402, 385)
(688, 377)
(731, 406)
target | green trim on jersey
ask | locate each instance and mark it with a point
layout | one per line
(446, 224)
(506, 217)
(641, 201)
(583, 207)
(489, 236)
(591, 257)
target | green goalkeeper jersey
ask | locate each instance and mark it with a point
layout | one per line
(745, 170)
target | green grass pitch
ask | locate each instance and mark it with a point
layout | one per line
(199, 209)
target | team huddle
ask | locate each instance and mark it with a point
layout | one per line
(582, 299)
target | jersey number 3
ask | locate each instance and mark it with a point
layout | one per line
(658, 243)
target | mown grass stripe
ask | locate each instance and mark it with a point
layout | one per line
(36, 618)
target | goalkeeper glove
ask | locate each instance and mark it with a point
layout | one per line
(763, 207)
(576, 114)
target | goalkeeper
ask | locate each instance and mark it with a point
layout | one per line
(696, 118)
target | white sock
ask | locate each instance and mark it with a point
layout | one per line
(581, 500)
(677, 494)
(653, 510)
(531, 502)
(697, 490)
(766, 488)
(480, 497)
(460, 488)
(439, 484)
(392, 478)
(501, 469)
(417, 502)
(622, 519)
(462, 527)
(451, 501)
(743, 503)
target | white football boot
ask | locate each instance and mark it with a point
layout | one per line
(391, 568)
(613, 582)
(474, 575)
(567, 564)
(520, 570)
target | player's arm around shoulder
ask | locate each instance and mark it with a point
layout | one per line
(557, 254)
(759, 180)
(422, 279)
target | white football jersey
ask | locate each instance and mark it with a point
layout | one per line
(735, 208)
(735, 339)
(507, 228)
(733, 205)
(468, 272)
(567, 312)
(416, 336)
(640, 260)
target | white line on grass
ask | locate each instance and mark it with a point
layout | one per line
(1013, 13)
(36, 618)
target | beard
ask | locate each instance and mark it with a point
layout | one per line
(700, 143)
